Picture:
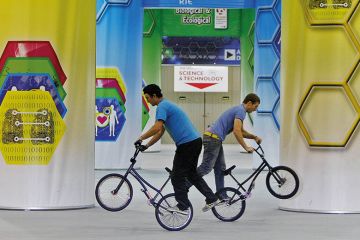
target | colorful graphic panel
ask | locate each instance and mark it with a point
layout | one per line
(110, 119)
(19, 82)
(32, 49)
(201, 50)
(31, 65)
(31, 127)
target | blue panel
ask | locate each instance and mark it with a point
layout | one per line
(268, 94)
(276, 113)
(277, 77)
(277, 8)
(200, 3)
(267, 61)
(266, 25)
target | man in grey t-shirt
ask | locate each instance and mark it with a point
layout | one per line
(230, 121)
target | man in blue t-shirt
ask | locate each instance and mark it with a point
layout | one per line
(188, 147)
(230, 121)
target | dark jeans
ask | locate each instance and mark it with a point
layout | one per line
(184, 167)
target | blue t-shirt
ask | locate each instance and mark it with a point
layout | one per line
(176, 122)
(225, 123)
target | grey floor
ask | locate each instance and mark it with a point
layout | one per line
(262, 218)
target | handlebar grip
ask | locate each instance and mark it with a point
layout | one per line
(168, 170)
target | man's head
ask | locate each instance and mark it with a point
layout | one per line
(152, 94)
(251, 102)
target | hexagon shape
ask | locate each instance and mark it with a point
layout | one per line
(251, 34)
(194, 47)
(322, 66)
(210, 47)
(276, 114)
(31, 127)
(26, 82)
(325, 12)
(354, 23)
(110, 83)
(267, 25)
(276, 77)
(31, 65)
(33, 49)
(111, 73)
(277, 8)
(149, 22)
(101, 7)
(110, 93)
(268, 94)
(109, 119)
(269, 57)
(323, 124)
(277, 42)
(354, 83)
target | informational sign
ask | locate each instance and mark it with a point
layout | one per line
(194, 16)
(220, 18)
(201, 50)
(200, 79)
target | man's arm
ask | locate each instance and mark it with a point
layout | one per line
(157, 128)
(238, 132)
(155, 138)
(251, 136)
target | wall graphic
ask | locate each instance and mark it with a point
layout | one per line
(31, 102)
(267, 76)
(110, 104)
(333, 134)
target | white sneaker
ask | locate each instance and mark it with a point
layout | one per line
(209, 206)
(176, 209)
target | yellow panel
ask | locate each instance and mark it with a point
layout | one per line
(31, 127)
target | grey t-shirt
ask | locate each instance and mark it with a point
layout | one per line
(225, 123)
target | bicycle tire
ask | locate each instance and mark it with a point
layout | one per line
(286, 174)
(108, 200)
(161, 213)
(236, 204)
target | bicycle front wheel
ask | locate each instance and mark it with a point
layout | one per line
(170, 220)
(111, 198)
(282, 182)
(233, 206)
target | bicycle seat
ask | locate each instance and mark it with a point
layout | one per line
(228, 171)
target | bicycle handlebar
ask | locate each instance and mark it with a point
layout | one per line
(258, 149)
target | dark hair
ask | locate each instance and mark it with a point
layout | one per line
(152, 89)
(251, 97)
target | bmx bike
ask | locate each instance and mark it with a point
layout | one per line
(281, 181)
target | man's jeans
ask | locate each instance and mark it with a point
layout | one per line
(184, 169)
(213, 159)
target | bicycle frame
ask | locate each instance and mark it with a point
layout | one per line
(132, 171)
(255, 174)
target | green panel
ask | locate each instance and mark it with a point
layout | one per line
(32, 65)
(247, 51)
(145, 116)
(110, 93)
(172, 25)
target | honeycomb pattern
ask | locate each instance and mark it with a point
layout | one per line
(199, 50)
(149, 22)
(110, 104)
(268, 35)
(102, 6)
(145, 108)
(346, 89)
(250, 36)
(31, 102)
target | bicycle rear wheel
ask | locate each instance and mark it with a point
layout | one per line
(172, 221)
(234, 205)
(107, 196)
(282, 182)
